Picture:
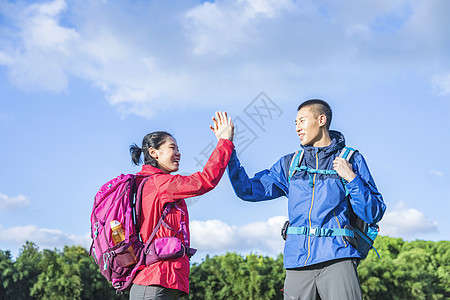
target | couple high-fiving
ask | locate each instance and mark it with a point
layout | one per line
(321, 194)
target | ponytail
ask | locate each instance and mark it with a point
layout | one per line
(135, 152)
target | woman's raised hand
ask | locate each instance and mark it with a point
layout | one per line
(223, 127)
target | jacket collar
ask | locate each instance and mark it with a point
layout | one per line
(149, 170)
(337, 142)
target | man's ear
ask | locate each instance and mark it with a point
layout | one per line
(153, 153)
(322, 120)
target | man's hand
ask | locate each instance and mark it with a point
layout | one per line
(223, 126)
(344, 168)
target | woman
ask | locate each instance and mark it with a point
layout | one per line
(169, 279)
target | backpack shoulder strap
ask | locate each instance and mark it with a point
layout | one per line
(295, 163)
(137, 205)
(347, 153)
(167, 208)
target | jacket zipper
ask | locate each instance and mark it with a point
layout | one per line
(310, 209)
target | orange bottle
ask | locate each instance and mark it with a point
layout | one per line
(126, 258)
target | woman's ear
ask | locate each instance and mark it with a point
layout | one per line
(153, 153)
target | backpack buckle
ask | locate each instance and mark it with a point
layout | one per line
(312, 230)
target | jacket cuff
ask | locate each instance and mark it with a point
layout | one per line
(355, 183)
(226, 142)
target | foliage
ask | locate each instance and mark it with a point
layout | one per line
(52, 274)
(406, 270)
(235, 277)
(8, 275)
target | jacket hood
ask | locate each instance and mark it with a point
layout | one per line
(337, 142)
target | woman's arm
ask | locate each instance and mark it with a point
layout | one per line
(180, 187)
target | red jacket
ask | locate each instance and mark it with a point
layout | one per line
(161, 188)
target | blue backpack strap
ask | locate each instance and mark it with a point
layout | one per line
(367, 240)
(295, 162)
(317, 231)
(346, 153)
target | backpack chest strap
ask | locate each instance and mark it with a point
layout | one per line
(317, 231)
(316, 171)
(346, 153)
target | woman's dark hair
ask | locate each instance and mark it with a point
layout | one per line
(152, 140)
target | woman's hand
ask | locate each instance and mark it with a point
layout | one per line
(223, 126)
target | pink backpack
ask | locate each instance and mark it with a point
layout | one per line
(120, 199)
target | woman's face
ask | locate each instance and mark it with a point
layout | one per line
(167, 156)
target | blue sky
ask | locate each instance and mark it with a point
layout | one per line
(81, 81)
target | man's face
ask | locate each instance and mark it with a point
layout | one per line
(307, 126)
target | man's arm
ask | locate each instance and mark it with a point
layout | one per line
(365, 199)
(265, 185)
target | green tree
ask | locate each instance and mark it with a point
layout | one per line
(57, 280)
(8, 275)
(375, 274)
(28, 266)
(233, 276)
(442, 257)
(94, 285)
(418, 266)
(71, 274)
(406, 270)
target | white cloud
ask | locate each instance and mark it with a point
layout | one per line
(44, 48)
(12, 203)
(155, 55)
(441, 84)
(216, 236)
(45, 238)
(223, 27)
(407, 223)
(437, 173)
(211, 236)
(5, 59)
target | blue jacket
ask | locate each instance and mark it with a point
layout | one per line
(322, 205)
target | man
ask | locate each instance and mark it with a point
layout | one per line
(317, 266)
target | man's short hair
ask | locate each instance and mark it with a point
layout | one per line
(318, 107)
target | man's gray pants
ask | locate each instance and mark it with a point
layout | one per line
(153, 292)
(332, 280)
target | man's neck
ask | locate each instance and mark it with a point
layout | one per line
(323, 139)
